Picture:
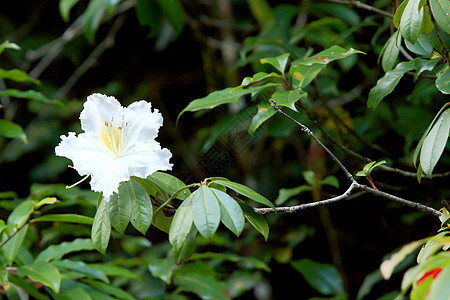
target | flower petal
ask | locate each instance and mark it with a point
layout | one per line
(97, 109)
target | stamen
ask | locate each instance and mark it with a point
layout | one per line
(77, 183)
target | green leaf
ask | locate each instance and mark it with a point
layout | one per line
(443, 80)
(173, 12)
(422, 46)
(324, 278)
(17, 75)
(119, 210)
(265, 112)
(285, 194)
(65, 218)
(388, 266)
(206, 211)
(302, 75)
(27, 286)
(115, 271)
(257, 220)
(435, 142)
(182, 253)
(440, 289)
(399, 13)
(261, 10)
(56, 252)
(411, 21)
(257, 78)
(7, 45)
(387, 83)
(64, 8)
(101, 228)
(228, 95)
(170, 184)
(391, 51)
(29, 95)
(162, 268)
(21, 213)
(12, 130)
(46, 201)
(423, 65)
(441, 12)
(245, 191)
(43, 272)
(81, 267)
(150, 13)
(331, 54)
(206, 287)
(231, 213)
(182, 222)
(141, 206)
(288, 98)
(278, 62)
(330, 180)
(12, 247)
(93, 17)
(110, 289)
(249, 262)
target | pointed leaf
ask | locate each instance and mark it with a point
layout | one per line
(182, 222)
(265, 112)
(434, 143)
(288, 98)
(441, 12)
(387, 83)
(12, 247)
(43, 272)
(230, 212)
(7, 45)
(422, 46)
(115, 271)
(110, 289)
(93, 17)
(27, 286)
(12, 130)
(29, 95)
(391, 51)
(245, 191)
(388, 266)
(81, 267)
(399, 13)
(443, 80)
(141, 206)
(185, 250)
(257, 220)
(411, 21)
(278, 62)
(16, 75)
(331, 54)
(64, 8)
(162, 268)
(119, 210)
(302, 75)
(286, 194)
(56, 252)
(206, 287)
(65, 218)
(206, 211)
(101, 228)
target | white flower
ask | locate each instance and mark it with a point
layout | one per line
(117, 143)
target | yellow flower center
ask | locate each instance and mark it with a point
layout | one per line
(114, 137)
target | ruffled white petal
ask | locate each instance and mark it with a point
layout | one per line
(117, 143)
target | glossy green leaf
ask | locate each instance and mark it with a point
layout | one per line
(331, 54)
(245, 191)
(390, 53)
(64, 8)
(29, 95)
(65, 218)
(388, 266)
(185, 250)
(288, 98)
(302, 75)
(41, 271)
(12, 130)
(250, 262)
(398, 14)
(324, 278)
(278, 62)
(231, 213)
(12, 247)
(162, 268)
(170, 184)
(423, 65)
(26, 285)
(443, 80)
(21, 213)
(110, 289)
(101, 228)
(257, 220)
(435, 142)
(258, 78)
(93, 17)
(17, 75)
(81, 267)
(265, 112)
(141, 206)
(119, 210)
(330, 180)
(228, 95)
(286, 194)
(411, 21)
(77, 293)
(441, 12)
(206, 287)
(440, 289)
(422, 46)
(56, 252)
(7, 45)
(182, 222)
(387, 83)
(206, 211)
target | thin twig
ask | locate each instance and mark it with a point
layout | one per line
(15, 232)
(363, 6)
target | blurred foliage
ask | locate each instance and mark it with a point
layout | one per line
(211, 68)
